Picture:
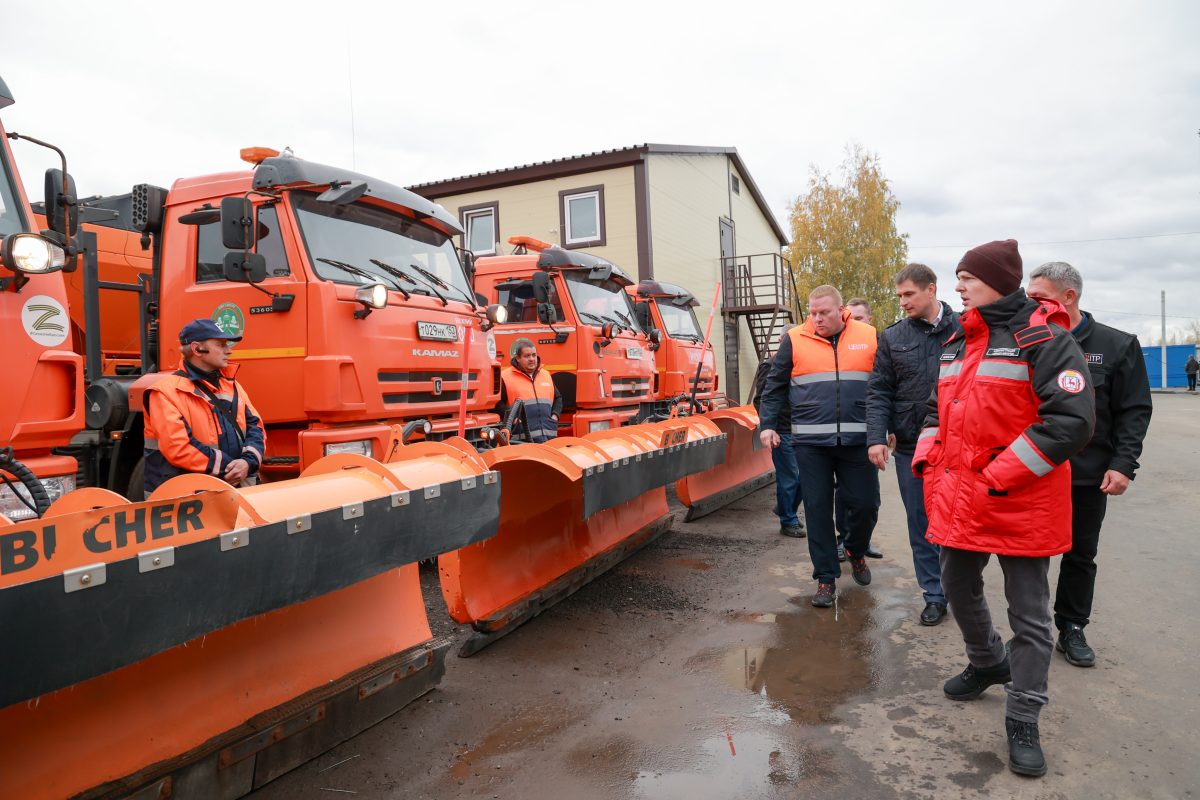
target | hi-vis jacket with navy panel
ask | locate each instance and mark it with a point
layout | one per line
(186, 433)
(541, 399)
(1012, 404)
(823, 382)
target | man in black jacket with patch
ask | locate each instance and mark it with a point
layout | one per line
(1108, 463)
(905, 372)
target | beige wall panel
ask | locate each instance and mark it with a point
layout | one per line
(531, 209)
(689, 194)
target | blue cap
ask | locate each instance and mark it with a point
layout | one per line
(200, 329)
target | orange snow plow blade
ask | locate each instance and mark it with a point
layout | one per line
(746, 468)
(208, 640)
(571, 509)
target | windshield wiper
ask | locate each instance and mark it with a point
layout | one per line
(628, 322)
(599, 319)
(399, 273)
(353, 270)
(433, 278)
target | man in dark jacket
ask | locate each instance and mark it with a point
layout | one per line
(1013, 403)
(820, 371)
(1107, 465)
(787, 475)
(1191, 368)
(906, 369)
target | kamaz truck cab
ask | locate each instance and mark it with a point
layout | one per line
(573, 305)
(685, 362)
(42, 403)
(354, 307)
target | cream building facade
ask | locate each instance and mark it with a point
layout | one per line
(679, 214)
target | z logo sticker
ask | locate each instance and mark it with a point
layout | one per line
(1071, 381)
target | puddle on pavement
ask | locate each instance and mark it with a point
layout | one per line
(515, 734)
(737, 763)
(816, 661)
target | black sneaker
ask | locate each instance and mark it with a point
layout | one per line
(795, 531)
(1072, 644)
(826, 592)
(860, 571)
(841, 551)
(974, 680)
(933, 614)
(874, 552)
(1024, 748)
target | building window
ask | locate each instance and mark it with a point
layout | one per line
(735, 184)
(482, 226)
(581, 217)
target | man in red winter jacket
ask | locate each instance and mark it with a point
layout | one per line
(1012, 404)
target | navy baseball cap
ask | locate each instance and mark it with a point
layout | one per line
(200, 329)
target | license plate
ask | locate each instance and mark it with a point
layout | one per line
(438, 331)
(633, 353)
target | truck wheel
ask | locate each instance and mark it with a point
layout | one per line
(137, 482)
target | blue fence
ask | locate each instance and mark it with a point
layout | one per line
(1177, 356)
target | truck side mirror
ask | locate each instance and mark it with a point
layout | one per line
(243, 267)
(655, 339)
(62, 209)
(541, 287)
(547, 315)
(237, 223)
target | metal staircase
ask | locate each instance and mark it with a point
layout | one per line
(762, 289)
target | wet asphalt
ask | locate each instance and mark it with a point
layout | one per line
(698, 669)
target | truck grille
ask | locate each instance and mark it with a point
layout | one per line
(417, 386)
(629, 388)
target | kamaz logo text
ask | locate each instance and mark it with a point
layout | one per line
(420, 352)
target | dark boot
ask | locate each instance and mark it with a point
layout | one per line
(1024, 748)
(974, 680)
(795, 531)
(1072, 644)
(860, 571)
(826, 592)
(933, 614)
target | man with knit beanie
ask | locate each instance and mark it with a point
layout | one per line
(1012, 404)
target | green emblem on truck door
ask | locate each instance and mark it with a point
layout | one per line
(228, 317)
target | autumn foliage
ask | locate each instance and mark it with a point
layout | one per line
(844, 234)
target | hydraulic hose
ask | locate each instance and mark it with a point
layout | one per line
(41, 500)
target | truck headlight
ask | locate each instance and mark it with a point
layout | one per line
(360, 446)
(373, 296)
(31, 253)
(599, 425)
(12, 507)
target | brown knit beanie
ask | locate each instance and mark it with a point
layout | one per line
(998, 264)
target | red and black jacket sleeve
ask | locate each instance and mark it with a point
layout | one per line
(1066, 415)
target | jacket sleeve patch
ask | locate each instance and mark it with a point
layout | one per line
(1033, 335)
(1071, 381)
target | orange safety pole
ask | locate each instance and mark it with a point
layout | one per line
(704, 350)
(464, 380)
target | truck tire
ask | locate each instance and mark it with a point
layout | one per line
(137, 482)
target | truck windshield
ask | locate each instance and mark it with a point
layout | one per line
(680, 323)
(598, 302)
(345, 242)
(11, 218)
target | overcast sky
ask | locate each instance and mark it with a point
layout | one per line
(1043, 122)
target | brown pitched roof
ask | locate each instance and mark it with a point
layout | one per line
(591, 162)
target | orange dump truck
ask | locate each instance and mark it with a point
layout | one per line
(354, 306)
(42, 405)
(682, 351)
(573, 305)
